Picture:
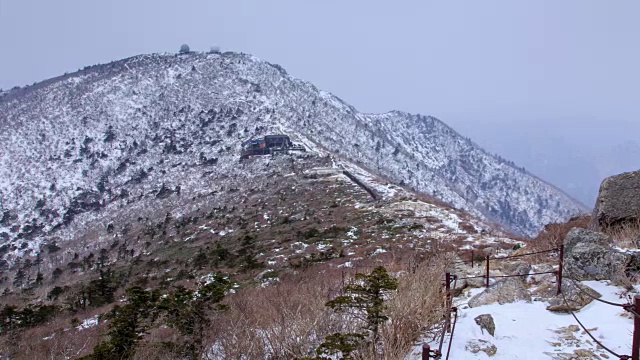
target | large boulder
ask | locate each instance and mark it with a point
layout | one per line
(618, 201)
(588, 255)
(574, 297)
(477, 279)
(577, 236)
(506, 291)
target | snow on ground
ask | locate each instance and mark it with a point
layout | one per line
(386, 190)
(528, 330)
(379, 250)
(353, 232)
(87, 323)
(309, 145)
(421, 209)
(347, 264)
(237, 89)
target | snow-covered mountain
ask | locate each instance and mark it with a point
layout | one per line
(152, 134)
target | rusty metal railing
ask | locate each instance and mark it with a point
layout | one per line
(634, 308)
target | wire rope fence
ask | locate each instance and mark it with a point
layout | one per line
(449, 322)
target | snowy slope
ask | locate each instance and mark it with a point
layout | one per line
(156, 133)
(527, 331)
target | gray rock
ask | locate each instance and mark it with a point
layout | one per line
(485, 321)
(297, 217)
(476, 282)
(631, 261)
(490, 249)
(576, 299)
(477, 345)
(518, 268)
(458, 287)
(579, 235)
(464, 270)
(503, 292)
(588, 255)
(578, 354)
(618, 201)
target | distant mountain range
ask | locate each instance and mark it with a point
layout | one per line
(576, 158)
(152, 134)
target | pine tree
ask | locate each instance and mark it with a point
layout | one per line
(200, 260)
(39, 278)
(87, 262)
(18, 279)
(187, 311)
(183, 309)
(56, 273)
(38, 261)
(103, 258)
(365, 297)
(103, 289)
(345, 344)
(8, 316)
(127, 323)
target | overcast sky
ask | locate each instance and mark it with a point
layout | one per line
(540, 81)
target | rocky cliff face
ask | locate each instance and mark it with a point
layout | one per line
(152, 134)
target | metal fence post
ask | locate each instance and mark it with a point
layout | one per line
(426, 351)
(447, 282)
(472, 259)
(487, 271)
(635, 346)
(560, 265)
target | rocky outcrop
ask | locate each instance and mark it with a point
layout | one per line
(507, 291)
(618, 201)
(588, 255)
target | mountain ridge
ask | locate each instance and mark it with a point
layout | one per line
(115, 135)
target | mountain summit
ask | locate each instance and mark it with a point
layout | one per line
(158, 135)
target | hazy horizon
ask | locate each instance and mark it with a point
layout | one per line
(550, 85)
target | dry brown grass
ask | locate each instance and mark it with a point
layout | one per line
(416, 306)
(290, 319)
(467, 227)
(55, 340)
(283, 321)
(552, 236)
(622, 278)
(626, 235)
(159, 344)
